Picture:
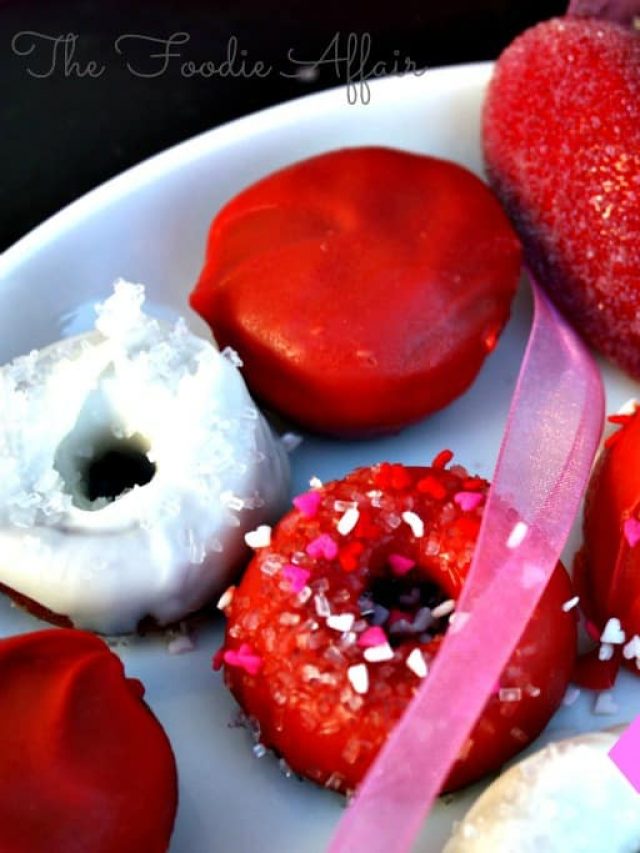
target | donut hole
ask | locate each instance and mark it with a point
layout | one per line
(101, 459)
(408, 608)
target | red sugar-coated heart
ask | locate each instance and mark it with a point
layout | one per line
(561, 137)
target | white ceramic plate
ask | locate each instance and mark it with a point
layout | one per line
(149, 225)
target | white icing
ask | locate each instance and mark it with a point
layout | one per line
(161, 549)
(569, 796)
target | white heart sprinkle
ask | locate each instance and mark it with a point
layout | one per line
(259, 538)
(632, 648)
(358, 676)
(415, 523)
(605, 652)
(629, 407)
(377, 654)
(613, 632)
(417, 663)
(348, 521)
(341, 622)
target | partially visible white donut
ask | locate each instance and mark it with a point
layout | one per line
(567, 798)
(169, 399)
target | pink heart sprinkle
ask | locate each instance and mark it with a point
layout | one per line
(308, 504)
(468, 501)
(631, 530)
(625, 753)
(244, 658)
(322, 546)
(400, 565)
(296, 576)
(373, 636)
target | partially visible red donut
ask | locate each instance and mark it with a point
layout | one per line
(85, 766)
(607, 569)
(362, 288)
(325, 686)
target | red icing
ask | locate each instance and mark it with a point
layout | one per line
(85, 765)
(301, 697)
(562, 144)
(607, 571)
(363, 288)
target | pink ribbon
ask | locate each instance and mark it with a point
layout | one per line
(550, 439)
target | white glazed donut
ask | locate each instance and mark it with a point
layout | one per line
(190, 466)
(567, 798)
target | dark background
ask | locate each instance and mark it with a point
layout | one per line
(61, 134)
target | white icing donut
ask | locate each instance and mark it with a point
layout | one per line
(191, 462)
(567, 798)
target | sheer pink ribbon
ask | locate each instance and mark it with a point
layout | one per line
(550, 439)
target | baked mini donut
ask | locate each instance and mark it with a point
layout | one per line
(607, 569)
(569, 796)
(363, 288)
(336, 622)
(85, 764)
(132, 462)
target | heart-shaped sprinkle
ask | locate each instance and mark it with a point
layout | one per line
(258, 538)
(322, 546)
(378, 654)
(296, 576)
(417, 664)
(631, 530)
(613, 632)
(468, 501)
(341, 622)
(308, 503)
(400, 565)
(358, 676)
(244, 658)
(373, 636)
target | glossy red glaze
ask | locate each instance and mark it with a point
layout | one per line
(363, 288)
(301, 696)
(562, 144)
(85, 766)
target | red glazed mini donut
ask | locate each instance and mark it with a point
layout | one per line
(607, 570)
(337, 620)
(362, 288)
(85, 765)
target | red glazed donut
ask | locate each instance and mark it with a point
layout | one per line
(362, 288)
(607, 570)
(85, 765)
(336, 621)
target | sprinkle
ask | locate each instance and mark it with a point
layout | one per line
(290, 441)
(373, 636)
(226, 598)
(625, 753)
(443, 609)
(442, 459)
(296, 576)
(516, 537)
(510, 694)
(631, 530)
(341, 622)
(315, 483)
(605, 652)
(322, 546)
(415, 523)
(400, 565)
(605, 704)
(232, 356)
(417, 664)
(348, 521)
(571, 603)
(323, 608)
(632, 648)
(308, 503)
(628, 408)
(571, 695)
(259, 750)
(468, 501)
(244, 658)
(258, 538)
(613, 632)
(358, 676)
(377, 654)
